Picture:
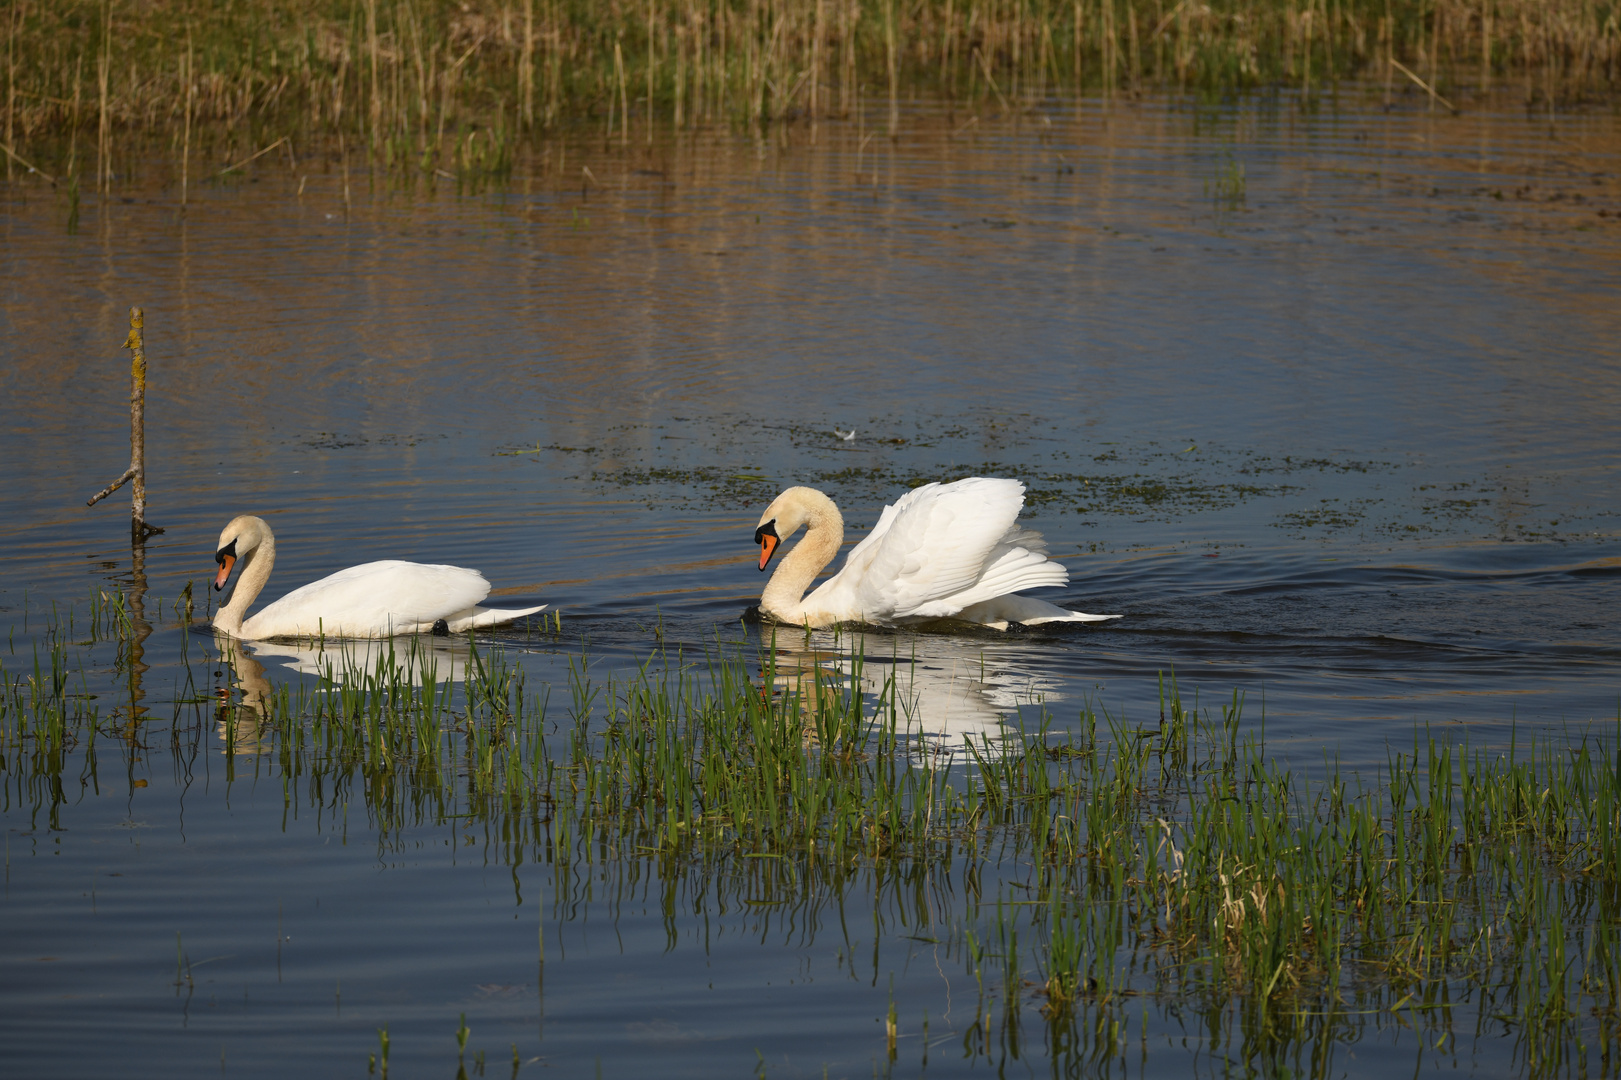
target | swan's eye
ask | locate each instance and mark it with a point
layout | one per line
(768, 529)
(226, 552)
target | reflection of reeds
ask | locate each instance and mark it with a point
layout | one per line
(432, 83)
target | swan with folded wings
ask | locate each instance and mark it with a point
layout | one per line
(372, 600)
(942, 551)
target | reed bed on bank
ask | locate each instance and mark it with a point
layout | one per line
(1075, 875)
(446, 84)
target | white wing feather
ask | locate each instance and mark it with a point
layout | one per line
(376, 599)
(939, 549)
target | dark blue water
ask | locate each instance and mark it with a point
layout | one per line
(1339, 437)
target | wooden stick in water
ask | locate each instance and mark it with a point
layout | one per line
(255, 157)
(1423, 85)
(110, 488)
(12, 155)
(139, 529)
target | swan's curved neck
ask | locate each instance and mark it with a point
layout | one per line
(250, 581)
(824, 533)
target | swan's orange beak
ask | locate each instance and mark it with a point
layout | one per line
(766, 537)
(226, 561)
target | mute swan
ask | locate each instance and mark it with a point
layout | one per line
(942, 551)
(372, 600)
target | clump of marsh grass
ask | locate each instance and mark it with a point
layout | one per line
(1076, 874)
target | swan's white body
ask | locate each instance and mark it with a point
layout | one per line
(372, 600)
(942, 551)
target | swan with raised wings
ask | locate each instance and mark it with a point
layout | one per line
(942, 551)
(372, 600)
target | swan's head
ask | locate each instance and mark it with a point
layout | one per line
(239, 540)
(785, 515)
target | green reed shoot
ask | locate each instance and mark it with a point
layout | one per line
(1069, 868)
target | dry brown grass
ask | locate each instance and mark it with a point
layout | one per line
(415, 81)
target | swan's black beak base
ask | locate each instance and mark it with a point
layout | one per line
(226, 558)
(766, 537)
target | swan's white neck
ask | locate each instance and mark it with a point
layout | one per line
(250, 581)
(783, 598)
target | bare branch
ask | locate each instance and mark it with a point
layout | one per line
(255, 157)
(33, 169)
(112, 487)
(1399, 66)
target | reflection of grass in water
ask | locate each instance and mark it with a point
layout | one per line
(1075, 876)
(1226, 187)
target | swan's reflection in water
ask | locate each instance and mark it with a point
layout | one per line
(943, 690)
(411, 659)
(243, 725)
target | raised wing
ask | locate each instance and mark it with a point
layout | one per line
(1011, 566)
(936, 542)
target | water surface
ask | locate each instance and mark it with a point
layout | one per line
(1321, 402)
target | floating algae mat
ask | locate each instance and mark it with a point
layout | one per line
(763, 859)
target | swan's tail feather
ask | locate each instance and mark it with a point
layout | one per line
(1028, 610)
(1011, 570)
(1069, 616)
(480, 617)
(1019, 569)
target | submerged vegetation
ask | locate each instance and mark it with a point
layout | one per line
(1080, 878)
(437, 85)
